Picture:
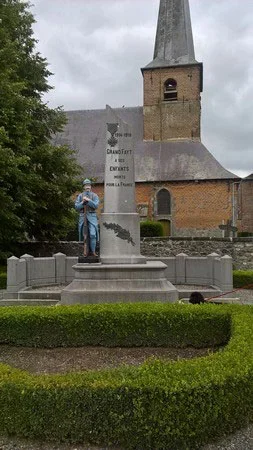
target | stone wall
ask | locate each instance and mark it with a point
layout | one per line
(240, 249)
(44, 249)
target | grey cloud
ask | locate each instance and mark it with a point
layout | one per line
(225, 43)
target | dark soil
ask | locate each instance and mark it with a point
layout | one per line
(62, 360)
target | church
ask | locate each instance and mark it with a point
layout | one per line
(178, 181)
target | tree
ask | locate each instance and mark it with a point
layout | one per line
(36, 178)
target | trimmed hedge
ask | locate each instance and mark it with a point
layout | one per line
(243, 278)
(150, 228)
(125, 325)
(157, 405)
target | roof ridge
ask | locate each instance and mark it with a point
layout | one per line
(101, 109)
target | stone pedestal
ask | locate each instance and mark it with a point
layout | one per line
(113, 283)
(120, 239)
(88, 259)
(119, 224)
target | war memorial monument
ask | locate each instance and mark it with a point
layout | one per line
(123, 274)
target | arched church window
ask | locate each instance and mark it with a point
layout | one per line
(170, 90)
(163, 203)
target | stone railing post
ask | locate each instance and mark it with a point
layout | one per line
(210, 267)
(29, 268)
(12, 274)
(226, 268)
(181, 268)
(60, 268)
(16, 275)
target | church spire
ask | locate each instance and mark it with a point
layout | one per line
(172, 82)
(174, 41)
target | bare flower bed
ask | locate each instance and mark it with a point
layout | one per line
(62, 360)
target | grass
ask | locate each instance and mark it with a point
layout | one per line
(243, 278)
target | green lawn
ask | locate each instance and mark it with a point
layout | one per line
(243, 278)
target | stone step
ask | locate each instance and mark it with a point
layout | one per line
(222, 300)
(29, 302)
(40, 294)
(207, 293)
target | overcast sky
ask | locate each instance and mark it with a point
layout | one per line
(95, 48)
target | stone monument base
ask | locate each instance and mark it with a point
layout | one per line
(114, 283)
(88, 259)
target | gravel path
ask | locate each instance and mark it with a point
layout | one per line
(244, 295)
(242, 440)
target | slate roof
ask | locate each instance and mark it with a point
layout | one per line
(174, 41)
(154, 161)
(249, 177)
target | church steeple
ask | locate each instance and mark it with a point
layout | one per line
(173, 79)
(174, 41)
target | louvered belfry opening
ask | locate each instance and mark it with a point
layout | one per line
(163, 202)
(170, 90)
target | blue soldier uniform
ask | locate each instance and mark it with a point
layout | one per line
(88, 223)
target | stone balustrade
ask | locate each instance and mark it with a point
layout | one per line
(28, 271)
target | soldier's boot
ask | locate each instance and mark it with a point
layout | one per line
(93, 246)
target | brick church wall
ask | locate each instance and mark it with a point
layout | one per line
(196, 207)
(246, 206)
